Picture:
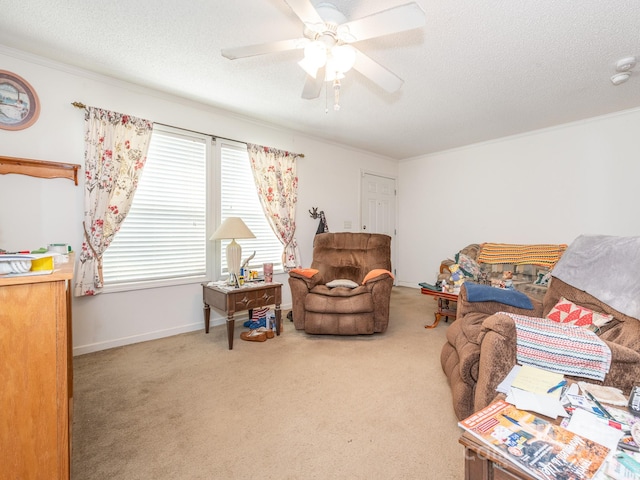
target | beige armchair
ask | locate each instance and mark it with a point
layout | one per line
(363, 307)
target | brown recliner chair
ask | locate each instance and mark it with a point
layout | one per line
(363, 258)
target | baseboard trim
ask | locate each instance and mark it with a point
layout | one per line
(144, 337)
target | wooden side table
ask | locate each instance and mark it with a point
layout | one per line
(247, 297)
(445, 305)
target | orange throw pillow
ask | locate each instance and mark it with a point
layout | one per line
(305, 272)
(375, 273)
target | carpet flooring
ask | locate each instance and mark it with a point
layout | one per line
(297, 406)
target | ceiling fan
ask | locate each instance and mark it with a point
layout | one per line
(327, 42)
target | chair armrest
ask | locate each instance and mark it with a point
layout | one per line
(377, 275)
(444, 266)
(310, 276)
(502, 325)
(380, 284)
(498, 350)
(301, 281)
(624, 371)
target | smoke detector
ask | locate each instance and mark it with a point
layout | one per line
(625, 64)
(621, 77)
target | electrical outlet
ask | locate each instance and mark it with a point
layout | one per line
(347, 224)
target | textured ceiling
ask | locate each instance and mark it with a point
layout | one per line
(478, 70)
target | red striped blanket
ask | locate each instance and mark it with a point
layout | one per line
(560, 347)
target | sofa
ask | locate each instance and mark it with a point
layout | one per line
(481, 346)
(347, 289)
(528, 266)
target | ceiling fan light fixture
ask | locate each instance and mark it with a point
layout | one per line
(327, 36)
(344, 57)
(315, 54)
(308, 67)
(344, 34)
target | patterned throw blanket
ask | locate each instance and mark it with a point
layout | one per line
(561, 348)
(542, 255)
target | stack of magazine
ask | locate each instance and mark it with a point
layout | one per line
(535, 445)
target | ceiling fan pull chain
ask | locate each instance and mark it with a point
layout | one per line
(326, 98)
(336, 94)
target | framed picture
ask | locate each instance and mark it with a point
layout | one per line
(19, 104)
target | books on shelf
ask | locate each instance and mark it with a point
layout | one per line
(537, 446)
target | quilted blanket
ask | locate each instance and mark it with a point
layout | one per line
(560, 347)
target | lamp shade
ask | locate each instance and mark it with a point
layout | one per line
(232, 227)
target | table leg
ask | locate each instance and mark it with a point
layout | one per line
(435, 323)
(207, 316)
(278, 319)
(231, 323)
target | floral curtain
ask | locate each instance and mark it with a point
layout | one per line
(115, 152)
(274, 172)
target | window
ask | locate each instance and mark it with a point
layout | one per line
(239, 198)
(164, 238)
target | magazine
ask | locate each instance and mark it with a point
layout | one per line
(537, 446)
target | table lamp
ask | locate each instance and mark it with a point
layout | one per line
(232, 228)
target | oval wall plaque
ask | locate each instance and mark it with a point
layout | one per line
(19, 104)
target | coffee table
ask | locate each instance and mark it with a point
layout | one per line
(482, 463)
(236, 299)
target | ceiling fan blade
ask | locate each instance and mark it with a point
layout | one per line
(313, 86)
(305, 10)
(385, 22)
(262, 48)
(378, 74)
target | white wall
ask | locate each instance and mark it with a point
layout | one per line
(543, 187)
(547, 186)
(36, 211)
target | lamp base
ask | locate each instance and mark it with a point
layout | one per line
(234, 256)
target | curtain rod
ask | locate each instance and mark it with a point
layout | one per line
(84, 107)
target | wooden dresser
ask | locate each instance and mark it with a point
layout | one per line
(36, 375)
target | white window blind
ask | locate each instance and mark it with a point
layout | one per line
(164, 235)
(239, 198)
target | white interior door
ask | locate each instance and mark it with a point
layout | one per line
(378, 207)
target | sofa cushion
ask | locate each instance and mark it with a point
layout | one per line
(565, 311)
(339, 300)
(485, 293)
(468, 265)
(342, 282)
